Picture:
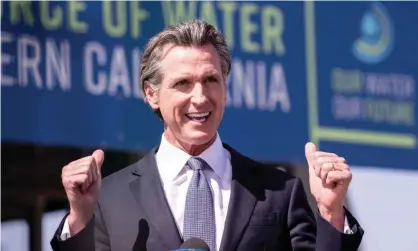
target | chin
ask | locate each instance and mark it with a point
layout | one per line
(199, 137)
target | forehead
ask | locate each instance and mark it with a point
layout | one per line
(189, 59)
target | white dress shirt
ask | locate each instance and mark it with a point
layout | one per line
(176, 178)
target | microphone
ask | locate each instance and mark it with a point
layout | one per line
(194, 244)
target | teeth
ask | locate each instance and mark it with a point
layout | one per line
(198, 115)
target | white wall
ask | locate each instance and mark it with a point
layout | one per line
(15, 233)
(386, 204)
(15, 236)
(50, 223)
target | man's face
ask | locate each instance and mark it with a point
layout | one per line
(192, 94)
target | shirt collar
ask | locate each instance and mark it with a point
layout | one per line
(171, 160)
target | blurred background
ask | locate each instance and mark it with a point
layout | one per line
(340, 74)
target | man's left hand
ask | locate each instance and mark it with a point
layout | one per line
(329, 177)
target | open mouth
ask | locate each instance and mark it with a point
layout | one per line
(198, 117)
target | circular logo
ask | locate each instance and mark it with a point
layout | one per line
(377, 35)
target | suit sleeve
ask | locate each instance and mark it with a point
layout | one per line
(308, 232)
(93, 237)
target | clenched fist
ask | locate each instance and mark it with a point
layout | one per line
(329, 178)
(82, 182)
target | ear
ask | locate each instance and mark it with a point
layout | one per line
(151, 96)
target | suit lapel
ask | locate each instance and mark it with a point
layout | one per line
(149, 193)
(242, 202)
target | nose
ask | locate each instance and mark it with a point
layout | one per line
(198, 94)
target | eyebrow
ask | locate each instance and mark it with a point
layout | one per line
(181, 76)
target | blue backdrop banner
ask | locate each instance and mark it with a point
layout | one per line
(340, 74)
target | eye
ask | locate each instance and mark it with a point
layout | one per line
(211, 79)
(182, 82)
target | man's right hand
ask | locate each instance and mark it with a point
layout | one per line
(82, 182)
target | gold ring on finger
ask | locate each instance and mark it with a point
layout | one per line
(328, 165)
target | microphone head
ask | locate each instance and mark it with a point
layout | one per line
(195, 244)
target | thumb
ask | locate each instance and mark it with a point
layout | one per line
(98, 156)
(310, 150)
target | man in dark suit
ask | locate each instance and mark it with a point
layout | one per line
(194, 185)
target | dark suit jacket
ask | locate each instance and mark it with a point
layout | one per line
(268, 210)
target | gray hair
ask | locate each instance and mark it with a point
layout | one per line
(190, 33)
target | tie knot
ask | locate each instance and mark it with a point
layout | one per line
(196, 163)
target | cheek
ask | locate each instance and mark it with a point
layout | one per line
(219, 97)
(175, 104)
(165, 104)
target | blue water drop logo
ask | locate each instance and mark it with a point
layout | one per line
(377, 35)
